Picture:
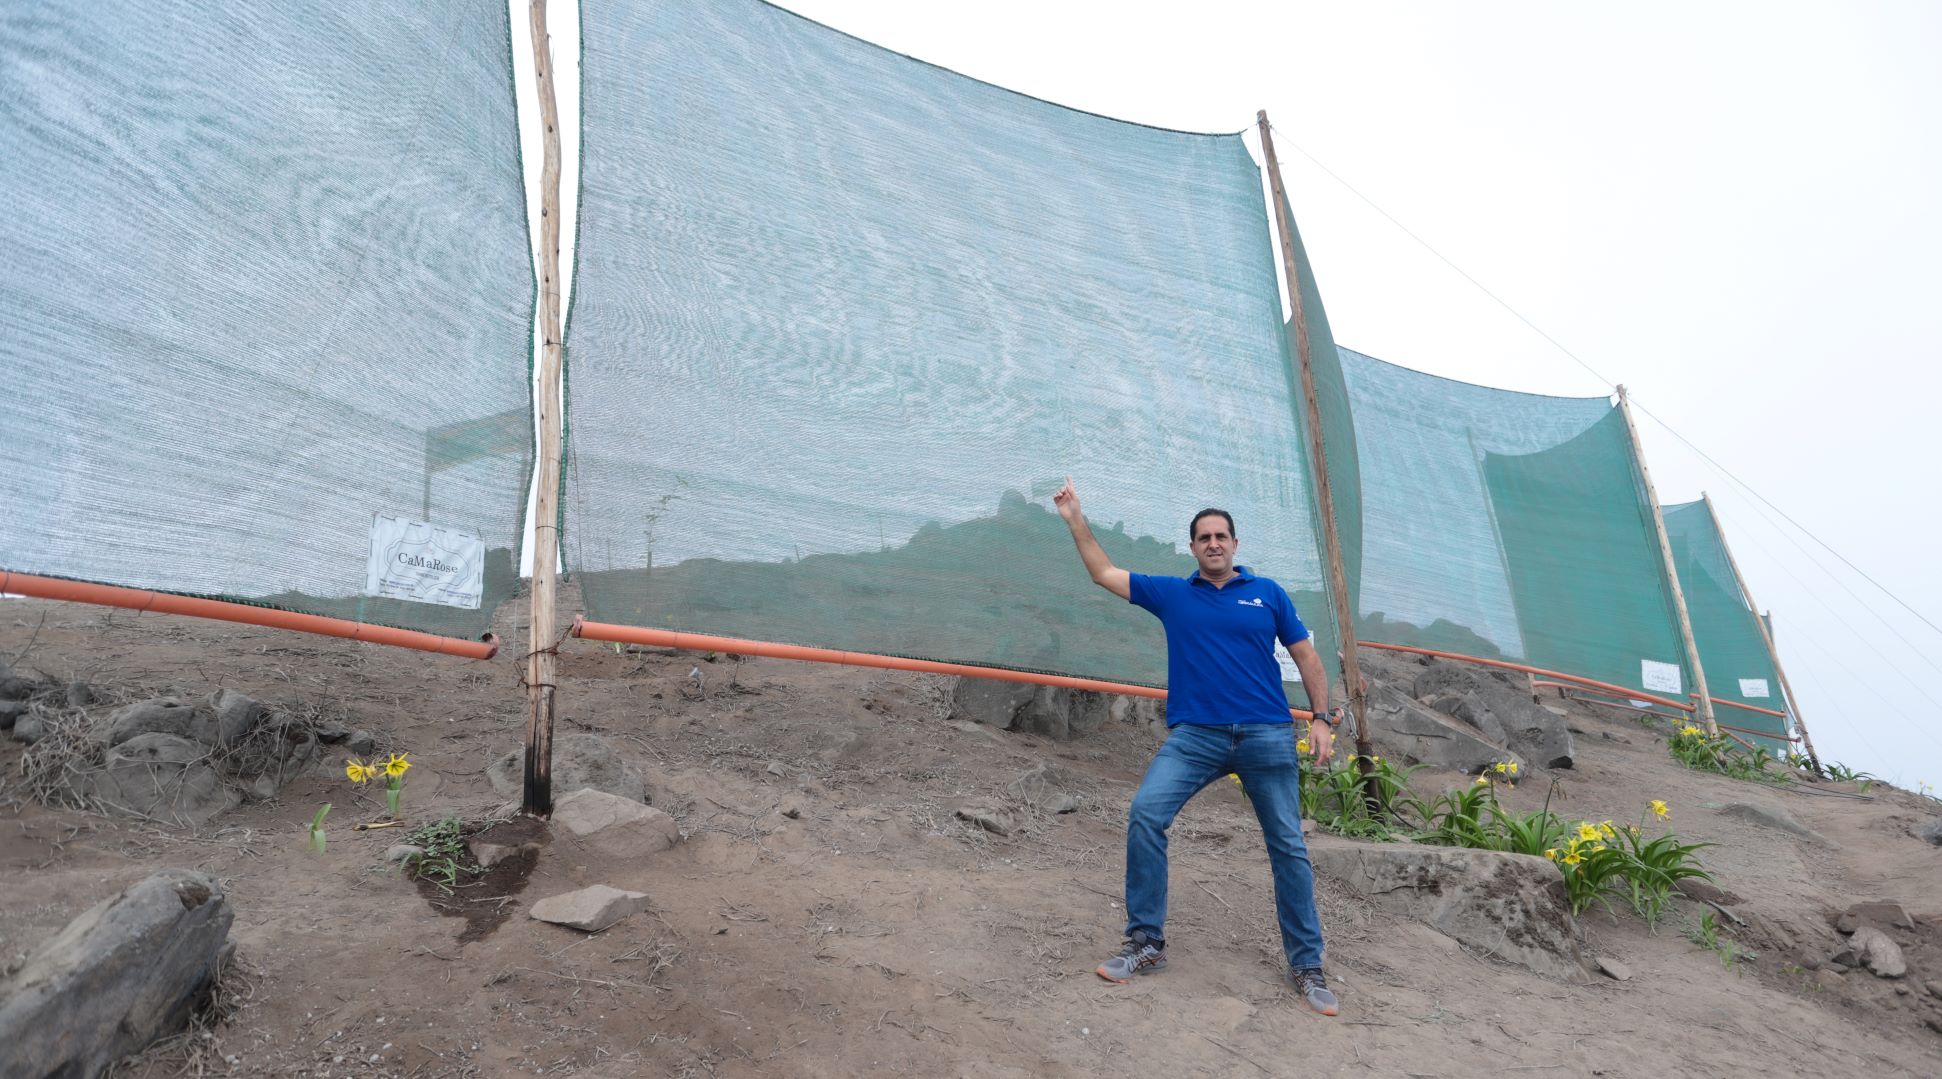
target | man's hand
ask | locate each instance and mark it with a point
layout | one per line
(1067, 501)
(1321, 738)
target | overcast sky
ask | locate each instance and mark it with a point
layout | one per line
(1729, 207)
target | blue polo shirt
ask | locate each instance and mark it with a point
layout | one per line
(1220, 645)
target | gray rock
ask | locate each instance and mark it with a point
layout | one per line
(579, 760)
(1054, 712)
(1875, 913)
(158, 715)
(1044, 787)
(1769, 818)
(15, 688)
(618, 826)
(332, 733)
(79, 694)
(362, 743)
(121, 975)
(163, 776)
(591, 909)
(1416, 735)
(1934, 988)
(1613, 969)
(29, 729)
(1511, 906)
(1876, 951)
(989, 819)
(233, 715)
(401, 852)
(1932, 832)
(489, 854)
(1498, 705)
(11, 711)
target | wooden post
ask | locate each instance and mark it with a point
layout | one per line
(1672, 572)
(1793, 703)
(538, 800)
(1331, 542)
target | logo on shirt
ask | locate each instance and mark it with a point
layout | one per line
(1256, 602)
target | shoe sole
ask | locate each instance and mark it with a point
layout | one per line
(1126, 981)
(1321, 1011)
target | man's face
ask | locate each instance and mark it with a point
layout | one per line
(1213, 546)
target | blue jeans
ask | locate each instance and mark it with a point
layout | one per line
(1263, 755)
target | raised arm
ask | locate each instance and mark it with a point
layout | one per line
(1104, 573)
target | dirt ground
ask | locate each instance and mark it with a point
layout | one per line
(828, 914)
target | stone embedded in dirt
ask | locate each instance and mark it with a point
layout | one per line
(1043, 787)
(579, 760)
(1932, 831)
(1877, 913)
(1416, 735)
(362, 743)
(234, 716)
(162, 776)
(399, 852)
(126, 972)
(11, 711)
(1875, 950)
(1499, 706)
(775, 769)
(591, 909)
(15, 688)
(331, 733)
(489, 854)
(989, 819)
(29, 729)
(615, 825)
(1511, 906)
(1934, 988)
(1613, 969)
(1769, 818)
(1054, 712)
(158, 715)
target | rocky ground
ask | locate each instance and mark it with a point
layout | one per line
(844, 874)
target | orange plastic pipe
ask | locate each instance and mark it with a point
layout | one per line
(697, 642)
(135, 599)
(1650, 712)
(1747, 707)
(1632, 694)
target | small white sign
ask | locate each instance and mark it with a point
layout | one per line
(1289, 672)
(1754, 687)
(1659, 677)
(424, 563)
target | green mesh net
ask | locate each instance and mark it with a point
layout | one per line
(843, 321)
(267, 287)
(1738, 665)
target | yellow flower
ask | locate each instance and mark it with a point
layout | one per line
(359, 771)
(1375, 760)
(1483, 781)
(1513, 767)
(1551, 853)
(1689, 729)
(397, 765)
(1572, 858)
(1503, 768)
(1661, 810)
(1587, 833)
(1301, 745)
(1605, 829)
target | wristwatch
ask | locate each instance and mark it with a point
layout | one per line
(1329, 716)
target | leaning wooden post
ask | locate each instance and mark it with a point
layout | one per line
(1672, 571)
(1793, 703)
(1332, 544)
(538, 799)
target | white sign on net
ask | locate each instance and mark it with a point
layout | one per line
(1659, 677)
(1754, 687)
(1289, 672)
(424, 563)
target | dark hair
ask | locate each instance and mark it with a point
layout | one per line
(1194, 525)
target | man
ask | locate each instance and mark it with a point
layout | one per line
(1225, 713)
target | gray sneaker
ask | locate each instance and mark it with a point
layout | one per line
(1312, 988)
(1138, 956)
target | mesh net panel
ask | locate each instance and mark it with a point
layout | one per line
(1496, 524)
(1738, 666)
(267, 276)
(842, 322)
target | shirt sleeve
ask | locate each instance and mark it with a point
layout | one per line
(1287, 624)
(1144, 591)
